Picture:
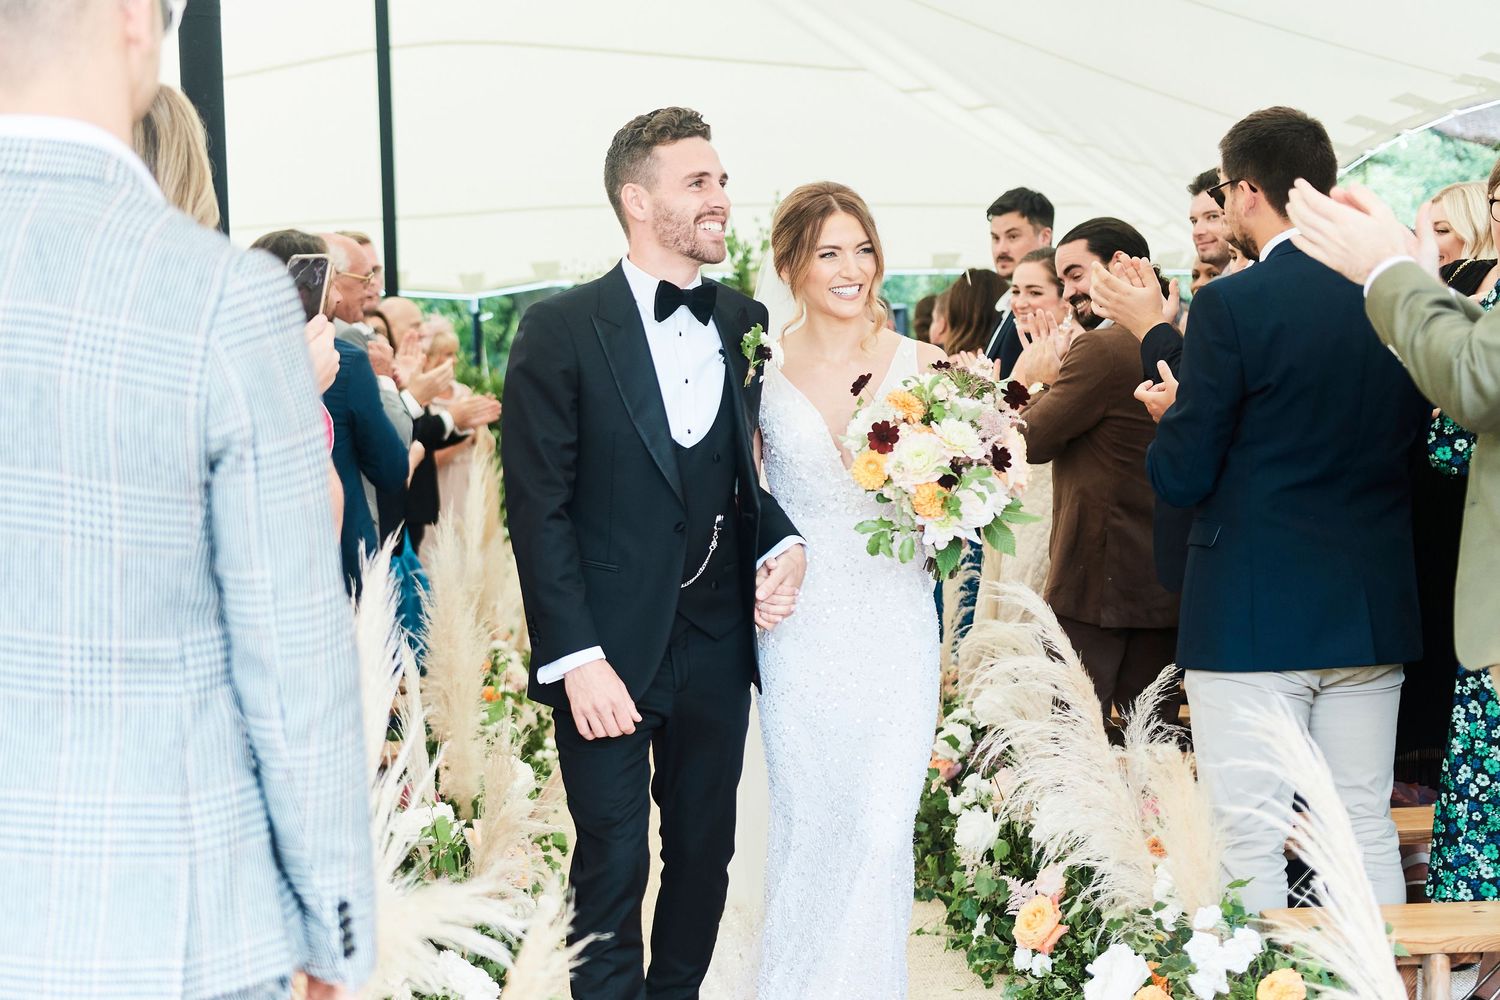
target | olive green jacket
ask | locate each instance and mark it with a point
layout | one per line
(1452, 350)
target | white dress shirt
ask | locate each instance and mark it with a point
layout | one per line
(689, 360)
(1276, 241)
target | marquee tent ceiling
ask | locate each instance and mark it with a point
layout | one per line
(929, 108)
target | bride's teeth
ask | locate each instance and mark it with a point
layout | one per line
(846, 291)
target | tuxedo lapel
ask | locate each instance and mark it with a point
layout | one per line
(623, 338)
(733, 322)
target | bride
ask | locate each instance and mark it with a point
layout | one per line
(850, 681)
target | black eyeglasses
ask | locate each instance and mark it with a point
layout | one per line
(171, 14)
(1220, 192)
(1495, 212)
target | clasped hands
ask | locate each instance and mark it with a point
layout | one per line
(601, 704)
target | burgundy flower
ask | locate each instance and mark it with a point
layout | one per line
(942, 366)
(762, 353)
(883, 436)
(860, 383)
(1016, 394)
(947, 482)
(1000, 457)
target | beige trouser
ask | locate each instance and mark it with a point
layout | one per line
(1351, 714)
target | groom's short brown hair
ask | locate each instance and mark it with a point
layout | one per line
(629, 158)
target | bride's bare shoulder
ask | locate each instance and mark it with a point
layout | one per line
(929, 354)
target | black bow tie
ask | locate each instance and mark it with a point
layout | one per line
(700, 300)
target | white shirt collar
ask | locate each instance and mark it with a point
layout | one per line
(1003, 305)
(1276, 241)
(75, 130)
(643, 286)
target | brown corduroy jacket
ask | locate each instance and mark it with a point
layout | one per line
(1095, 433)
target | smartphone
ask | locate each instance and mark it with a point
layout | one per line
(310, 273)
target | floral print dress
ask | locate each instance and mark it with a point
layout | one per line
(1466, 822)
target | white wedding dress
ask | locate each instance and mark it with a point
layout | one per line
(849, 697)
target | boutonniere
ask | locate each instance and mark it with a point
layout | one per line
(758, 349)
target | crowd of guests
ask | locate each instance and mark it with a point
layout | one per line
(401, 429)
(1247, 483)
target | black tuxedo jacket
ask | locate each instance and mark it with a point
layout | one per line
(1005, 345)
(593, 496)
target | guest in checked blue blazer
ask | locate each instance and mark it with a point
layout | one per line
(1290, 435)
(182, 791)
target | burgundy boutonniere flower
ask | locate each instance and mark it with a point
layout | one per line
(1000, 458)
(762, 353)
(860, 383)
(883, 437)
(1016, 394)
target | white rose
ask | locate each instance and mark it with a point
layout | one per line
(1206, 918)
(917, 458)
(1207, 956)
(1208, 983)
(1041, 966)
(462, 980)
(1239, 951)
(960, 437)
(960, 732)
(981, 924)
(1116, 974)
(1023, 959)
(975, 833)
(974, 508)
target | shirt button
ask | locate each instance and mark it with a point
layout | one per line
(716, 456)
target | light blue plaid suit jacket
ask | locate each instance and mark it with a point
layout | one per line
(183, 807)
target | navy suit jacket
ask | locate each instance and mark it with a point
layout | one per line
(1169, 525)
(1290, 435)
(364, 443)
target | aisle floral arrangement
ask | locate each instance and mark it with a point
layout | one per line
(944, 452)
(470, 901)
(1072, 867)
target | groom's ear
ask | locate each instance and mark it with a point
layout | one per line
(635, 200)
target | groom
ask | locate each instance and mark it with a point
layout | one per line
(647, 553)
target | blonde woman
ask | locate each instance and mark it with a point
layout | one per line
(849, 684)
(1461, 220)
(172, 141)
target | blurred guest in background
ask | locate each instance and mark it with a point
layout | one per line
(921, 318)
(171, 141)
(937, 330)
(1206, 217)
(968, 309)
(379, 325)
(1203, 273)
(1460, 216)
(1020, 222)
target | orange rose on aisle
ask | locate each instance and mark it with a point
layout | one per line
(1039, 925)
(1283, 984)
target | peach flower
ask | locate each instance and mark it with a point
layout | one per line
(1283, 984)
(1039, 925)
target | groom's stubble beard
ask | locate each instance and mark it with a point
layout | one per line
(680, 234)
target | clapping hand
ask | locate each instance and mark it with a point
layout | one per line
(409, 361)
(382, 359)
(474, 411)
(1158, 397)
(429, 385)
(973, 361)
(318, 335)
(1353, 232)
(778, 582)
(1129, 293)
(1044, 345)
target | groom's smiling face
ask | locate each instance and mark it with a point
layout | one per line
(687, 204)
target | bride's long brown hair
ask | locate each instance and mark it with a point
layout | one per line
(794, 239)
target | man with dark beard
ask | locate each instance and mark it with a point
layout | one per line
(647, 553)
(1086, 422)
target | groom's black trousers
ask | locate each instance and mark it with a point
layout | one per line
(694, 717)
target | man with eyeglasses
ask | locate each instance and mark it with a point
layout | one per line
(1290, 434)
(179, 689)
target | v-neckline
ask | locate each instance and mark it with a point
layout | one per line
(829, 435)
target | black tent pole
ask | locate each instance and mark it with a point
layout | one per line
(387, 144)
(200, 48)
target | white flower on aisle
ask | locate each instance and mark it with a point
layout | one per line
(1116, 974)
(1240, 950)
(976, 833)
(1033, 963)
(463, 980)
(962, 735)
(1164, 891)
(1211, 976)
(1206, 918)
(418, 818)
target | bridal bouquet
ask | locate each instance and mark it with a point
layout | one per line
(943, 453)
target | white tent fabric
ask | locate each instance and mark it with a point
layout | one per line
(929, 108)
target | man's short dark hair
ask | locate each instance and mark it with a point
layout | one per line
(1107, 236)
(284, 244)
(629, 158)
(1209, 178)
(1033, 206)
(1273, 147)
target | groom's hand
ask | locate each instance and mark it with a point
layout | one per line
(777, 584)
(601, 705)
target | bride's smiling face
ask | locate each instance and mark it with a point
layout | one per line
(841, 275)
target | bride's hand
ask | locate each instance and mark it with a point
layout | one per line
(777, 584)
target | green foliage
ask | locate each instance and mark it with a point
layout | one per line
(744, 259)
(1414, 168)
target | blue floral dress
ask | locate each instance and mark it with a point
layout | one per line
(1466, 822)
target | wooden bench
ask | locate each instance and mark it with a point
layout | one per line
(1413, 825)
(1432, 933)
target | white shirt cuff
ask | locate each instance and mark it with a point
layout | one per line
(779, 548)
(1383, 267)
(386, 384)
(413, 408)
(553, 672)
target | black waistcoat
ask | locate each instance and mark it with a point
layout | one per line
(713, 601)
